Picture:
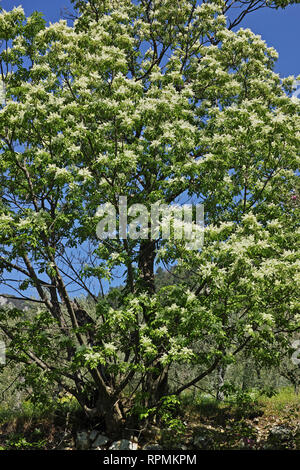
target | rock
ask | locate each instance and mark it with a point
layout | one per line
(280, 437)
(280, 433)
(82, 440)
(152, 447)
(100, 441)
(123, 444)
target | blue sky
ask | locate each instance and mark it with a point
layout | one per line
(279, 28)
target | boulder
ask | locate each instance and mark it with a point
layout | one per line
(82, 440)
(202, 442)
(280, 437)
(99, 441)
(281, 433)
(93, 435)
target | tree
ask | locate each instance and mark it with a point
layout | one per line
(152, 100)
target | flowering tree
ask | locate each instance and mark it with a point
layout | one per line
(152, 100)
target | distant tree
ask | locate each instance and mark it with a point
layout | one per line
(153, 100)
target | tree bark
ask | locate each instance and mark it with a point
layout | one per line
(221, 379)
(146, 265)
(156, 382)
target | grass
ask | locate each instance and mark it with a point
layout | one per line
(208, 405)
(285, 397)
(239, 406)
(38, 427)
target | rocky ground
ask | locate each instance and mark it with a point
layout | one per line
(212, 428)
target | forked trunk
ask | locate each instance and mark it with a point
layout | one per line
(156, 386)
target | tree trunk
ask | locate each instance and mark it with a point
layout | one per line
(156, 383)
(113, 418)
(110, 412)
(146, 265)
(107, 406)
